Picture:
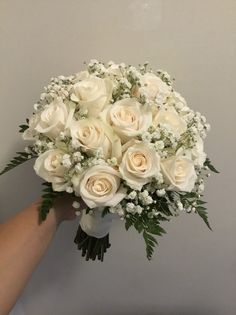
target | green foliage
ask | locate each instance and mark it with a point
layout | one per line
(23, 127)
(130, 220)
(203, 214)
(128, 224)
(105, 211)
(192, 199)
(150, 242)
(154, 228)
(48, 198)
(164, 208)
(147, 226)
(17, 160)
(210, 166)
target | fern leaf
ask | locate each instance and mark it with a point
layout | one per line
(23, 128)
(17, 160)
(150, 242)
(210, 166)
(156, 229)
(128, 224)
(202, 212)
(48, 198)
(105, 212)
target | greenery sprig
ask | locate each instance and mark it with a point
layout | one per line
(48, 198)
(17, 160)
(24, 127)
(193, 199)
(210, 166)
(147, 226)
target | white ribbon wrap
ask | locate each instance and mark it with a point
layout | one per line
(95, 225)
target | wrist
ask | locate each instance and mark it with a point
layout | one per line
(59, 215)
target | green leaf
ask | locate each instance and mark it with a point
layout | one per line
(210, 166)
(150, 242)
(128, 224)
(23, 128)
(17, 160)
(201, 202)
(203, 214)
(48, 195)
(105, 211)
(138, 226)
(191, 195)
(156, 229)
(48, 198)
(170, 196)
(163, 207)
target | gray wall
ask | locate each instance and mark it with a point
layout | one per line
(194, 271)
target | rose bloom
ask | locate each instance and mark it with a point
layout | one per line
(153, 87)
(91, 134)
(114, 70)
(92, 93)
(169, 116)
(139, 164)
(48, 166)
(52, 119)
(179, 172)
(179, 102)
(128, 118)
(99, 186)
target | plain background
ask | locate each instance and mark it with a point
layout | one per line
(194, 270)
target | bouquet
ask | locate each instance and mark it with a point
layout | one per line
(125, 144)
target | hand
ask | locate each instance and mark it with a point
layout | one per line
(64, 210)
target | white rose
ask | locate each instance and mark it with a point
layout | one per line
(139, 164)
(128, 118)
(53, 118)
(198, 154)
(176, 100)
(114, 70)
(49, 166)
(91, 135)
(179, 101)
(179, 172)
(92, 94)
(153, 87)
(99, 186)
(82, 75)
(169, 116)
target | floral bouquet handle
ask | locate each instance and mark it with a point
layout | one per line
(92, 237)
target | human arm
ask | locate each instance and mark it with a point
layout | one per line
(23, 241)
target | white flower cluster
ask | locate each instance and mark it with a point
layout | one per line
(117, 136)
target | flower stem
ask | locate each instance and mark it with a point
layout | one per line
(91, 247)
